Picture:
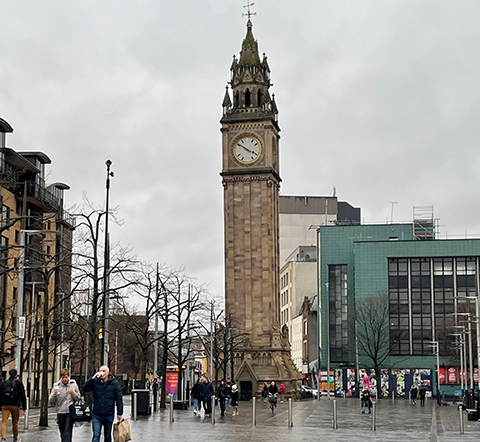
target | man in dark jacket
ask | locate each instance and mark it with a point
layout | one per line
(222, 392)
(106, 394)
(206, 393)
(12, 393)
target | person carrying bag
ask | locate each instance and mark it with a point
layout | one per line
(63, 395)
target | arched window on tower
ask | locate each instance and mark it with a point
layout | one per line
(259, 98)
(248, 98)
(236, 100)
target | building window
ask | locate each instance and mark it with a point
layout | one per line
(422, 292)
(338, 312)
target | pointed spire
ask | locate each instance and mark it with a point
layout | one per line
(226, 100)
(249, 53)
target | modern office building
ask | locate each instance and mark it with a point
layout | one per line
(298, 280)
(425, 280)
(300, 217)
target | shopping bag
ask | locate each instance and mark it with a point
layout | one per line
(80, 412)
(121, 431)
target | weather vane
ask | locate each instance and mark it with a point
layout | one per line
(249, 13)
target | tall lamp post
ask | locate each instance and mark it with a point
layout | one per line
(106, 271)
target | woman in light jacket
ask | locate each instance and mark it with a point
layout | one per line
(64, 393)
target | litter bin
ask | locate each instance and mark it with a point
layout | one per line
(472, 414)
(180, 405)
(143, 402)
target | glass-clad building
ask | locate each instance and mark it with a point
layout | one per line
(426, 281)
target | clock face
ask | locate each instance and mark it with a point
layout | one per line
(247, 150)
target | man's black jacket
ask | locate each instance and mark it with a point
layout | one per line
(105, 396)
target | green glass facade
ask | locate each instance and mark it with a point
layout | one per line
(425, 280)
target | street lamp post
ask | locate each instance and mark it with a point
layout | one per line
(106, 276)
(328, 338)
(435, 344)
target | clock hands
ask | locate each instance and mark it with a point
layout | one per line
(248, 150)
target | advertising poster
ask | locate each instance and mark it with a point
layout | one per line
(400, 375)
(452, 375)
(171, 384)
(351, 381)
(441, 375)
(384, 383)
(339, 382)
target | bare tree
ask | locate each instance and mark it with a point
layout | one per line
(89, 268)
(372, 328)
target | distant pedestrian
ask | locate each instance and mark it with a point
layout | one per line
(422, 392)
(197, 405)
(64, 393)
(12, 394)
(222, 392)
(206, 393)
(281, 391)
(106, 395)
(228, 402)
(366, 401)
(265, 391)
(234, 398)
(414, 394)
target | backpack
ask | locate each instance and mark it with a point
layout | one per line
(9, 392)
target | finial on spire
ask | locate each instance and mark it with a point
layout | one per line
(249, 13)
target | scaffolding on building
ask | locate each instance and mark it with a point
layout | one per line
(423, 223)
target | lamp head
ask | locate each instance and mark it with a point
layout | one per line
(108, 163)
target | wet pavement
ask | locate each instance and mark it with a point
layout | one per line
(312, 419)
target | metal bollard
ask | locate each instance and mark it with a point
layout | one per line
(374, 416)
(172, 419)
(335, 415)
(462, 426)
(213, 409)
(254, 408)
(290, 412)
(134, 406)
(393, 397)
(25, 422)
(344, 395)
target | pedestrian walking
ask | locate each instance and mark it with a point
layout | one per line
(106, 395)
(414, 394)
(12, 394)
(64, 393)
(197, 406)
(234, 400)
(228, 402)
(422, 392)
(206, 393)
(272, 388)
(281, 391)
(366, 401)
(265, 391)
(222, 392)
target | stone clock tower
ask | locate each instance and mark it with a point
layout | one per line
(251, 181)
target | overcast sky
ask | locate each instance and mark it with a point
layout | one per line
(380, 99)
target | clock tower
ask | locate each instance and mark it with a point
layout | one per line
(251, 182)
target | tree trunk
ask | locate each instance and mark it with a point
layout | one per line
(43, 422)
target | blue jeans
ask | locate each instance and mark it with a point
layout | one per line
(367, 405)
(197, 406)
(98, 422)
